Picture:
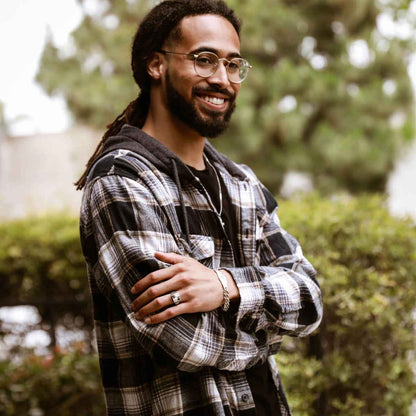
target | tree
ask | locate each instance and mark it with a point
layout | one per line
(329, 93)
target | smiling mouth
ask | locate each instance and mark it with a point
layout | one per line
(213, 100)
(213, 103)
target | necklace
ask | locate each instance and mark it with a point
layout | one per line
(219, 212)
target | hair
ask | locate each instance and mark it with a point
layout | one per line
(161, 24)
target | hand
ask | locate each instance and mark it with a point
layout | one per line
(198, 286)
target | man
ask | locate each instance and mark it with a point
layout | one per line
(194, 282)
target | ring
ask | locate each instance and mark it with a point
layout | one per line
(176, 297)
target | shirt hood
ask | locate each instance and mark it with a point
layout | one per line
(136, 140)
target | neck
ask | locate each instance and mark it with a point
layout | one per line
(185, 142)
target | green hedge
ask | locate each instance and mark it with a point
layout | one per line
(62, 383)
(41, 264)
(357, 364)
(41, 252)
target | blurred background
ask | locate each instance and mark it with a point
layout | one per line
(326, 119)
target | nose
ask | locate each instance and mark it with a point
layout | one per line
(220, 76)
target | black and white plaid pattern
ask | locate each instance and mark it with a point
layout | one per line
(192, 364)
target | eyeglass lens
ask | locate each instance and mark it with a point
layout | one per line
(206, 63)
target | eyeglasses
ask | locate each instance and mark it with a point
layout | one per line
(206, 64)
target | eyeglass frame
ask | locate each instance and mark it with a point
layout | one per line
(194, 56)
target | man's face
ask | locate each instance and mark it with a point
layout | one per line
(203, 104)
(209, 123)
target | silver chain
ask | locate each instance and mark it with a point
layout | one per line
(219, 185)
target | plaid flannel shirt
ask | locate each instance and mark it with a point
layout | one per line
(193, 364)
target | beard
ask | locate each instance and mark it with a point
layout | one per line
(213, 124)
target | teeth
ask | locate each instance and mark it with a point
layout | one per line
(214, 100)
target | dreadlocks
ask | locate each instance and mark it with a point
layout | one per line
(159, 25)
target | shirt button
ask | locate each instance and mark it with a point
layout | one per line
(245, 398)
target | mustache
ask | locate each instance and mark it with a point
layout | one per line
(213, 88)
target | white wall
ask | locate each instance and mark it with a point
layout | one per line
(37, 172)
(401, 187)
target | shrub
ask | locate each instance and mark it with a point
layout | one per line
(63, 383)
(359, 361)
(38, 251)
(41, 264)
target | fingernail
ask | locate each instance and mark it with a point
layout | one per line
(147, 320)
(133, 290)
(138, 317)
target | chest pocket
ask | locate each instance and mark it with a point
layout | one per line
(202, 248)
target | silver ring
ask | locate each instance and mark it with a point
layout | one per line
(176, 297)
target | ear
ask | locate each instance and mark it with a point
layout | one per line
(155, 65)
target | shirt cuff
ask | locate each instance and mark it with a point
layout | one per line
(252, 297)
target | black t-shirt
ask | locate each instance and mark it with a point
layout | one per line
(259, 377)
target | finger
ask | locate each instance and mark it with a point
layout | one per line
(153, 293)
(167, 314)
(153, 279)
(172, 258)
(156, 305)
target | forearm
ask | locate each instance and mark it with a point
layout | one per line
(216, 341)
(193, 340)
(288, 300)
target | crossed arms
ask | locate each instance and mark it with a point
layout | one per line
(279, 296)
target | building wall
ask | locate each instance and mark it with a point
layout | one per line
(401, 187)
(37, 172)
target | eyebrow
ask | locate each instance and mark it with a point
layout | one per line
(213, 50)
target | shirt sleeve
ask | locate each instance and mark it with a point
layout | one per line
(126, 225)
(279, 293)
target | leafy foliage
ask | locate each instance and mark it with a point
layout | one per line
(329, 92)
(359, 362)
(41, 264)
(63, 383)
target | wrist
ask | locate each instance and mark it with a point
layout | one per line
(226, 294)
(232, 286)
